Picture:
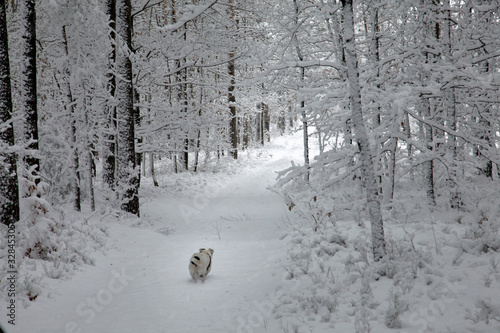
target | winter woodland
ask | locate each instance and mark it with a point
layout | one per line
(388, 215)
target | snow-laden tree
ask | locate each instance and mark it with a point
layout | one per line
(423, 68)
(193, 73)
(442, 77)
(304, 62)
(9, 191)
(70, 109)
(361, 136)
(73, 92)
(426, 80)
(109, 150)
(127, 175)
(231, 98)
(330, 101)
(29, 87)
(184, 59)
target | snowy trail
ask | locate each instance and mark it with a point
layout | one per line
(144, 284)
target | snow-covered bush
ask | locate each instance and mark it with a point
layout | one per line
(56, 167)
(397, 306)
(312, 209)
(482, 226)
(486, 310)
(364, 306)
(48, 243)
(482, 236)
(337, 276)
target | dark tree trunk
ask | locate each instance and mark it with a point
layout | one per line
(429, 165)
(246, 130)
(152, 168)
(262, 122)
(29, 86)
(137, 123)
(128, 179)
(9, 191)
(70, 108)
(233, 126)
(109, 165)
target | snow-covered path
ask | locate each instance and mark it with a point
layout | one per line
(144, 285)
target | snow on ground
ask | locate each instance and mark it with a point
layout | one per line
(271, 272)
(142, 284)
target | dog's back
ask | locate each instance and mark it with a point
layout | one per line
(200, 263)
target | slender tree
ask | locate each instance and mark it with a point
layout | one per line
(128, 178)
(431, 35)
(9, 192)
(305, 124)
(233, 125)
(70, 109)
(449, 102)
(367, 166)
(29, 85)
(109, 163)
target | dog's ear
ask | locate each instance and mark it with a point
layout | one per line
(211, 251)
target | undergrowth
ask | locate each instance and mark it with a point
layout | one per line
(438, 264)
(49, 245)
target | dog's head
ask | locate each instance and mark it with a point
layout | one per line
(209, 250)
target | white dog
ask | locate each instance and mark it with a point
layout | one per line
(201, 263)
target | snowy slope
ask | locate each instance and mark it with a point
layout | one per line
(143, 284)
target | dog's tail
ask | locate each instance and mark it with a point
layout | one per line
(195, 260)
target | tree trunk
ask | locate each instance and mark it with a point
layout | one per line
(70, 109)
(431, 31)
(137, 123)
(302, 102)
(367, 167)
(198, 135)
(246, 130)
(90, 167)
(9, 190)
(29, 86)
(128, 179)
(305, 131)
(260, 124)
(377, 119)
(233, 125)
(451, 111)
(181, 78)
(152, 168)
(90, 170)
(407, 131)
(109, 164)
(428, 165)
(392, 169)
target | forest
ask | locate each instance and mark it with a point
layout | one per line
(397, 103)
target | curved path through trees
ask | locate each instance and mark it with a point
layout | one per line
(143, 284)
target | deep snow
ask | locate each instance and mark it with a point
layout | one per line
(142, 284)
(271, 272)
